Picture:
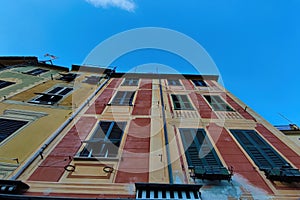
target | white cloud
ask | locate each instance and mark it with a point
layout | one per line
(128, 5)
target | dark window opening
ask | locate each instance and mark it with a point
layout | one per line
(4, 84)
(9, 126)
(36, 72)
(174, 82)
(181, 102)
(217, 103)
(131, 82)
(68, 77)
(51, 97)
(123, 98)
(201, 156)
(105, 141)
(199, 83)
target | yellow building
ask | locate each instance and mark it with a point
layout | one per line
(36, 100)
(148, 136)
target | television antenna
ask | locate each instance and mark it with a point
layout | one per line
(291, 124)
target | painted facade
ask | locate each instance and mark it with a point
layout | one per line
(28, 115)
(148, 136)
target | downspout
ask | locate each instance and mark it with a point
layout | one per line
(166, 134)
(57, 132)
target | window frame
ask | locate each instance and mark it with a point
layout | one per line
(174, 82)
(39, 70)
(182, 104)
(196, 83)
(260, 145)
(10, 135)
(197, 134)
(131, 82)
(104, 141)
(69, 77)
(59, 95)
(218, 105)
(92, 80)
(6, 84)
(120, 99)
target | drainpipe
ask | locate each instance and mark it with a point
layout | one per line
(56, 133)
(166, 134)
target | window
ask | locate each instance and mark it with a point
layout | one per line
(123, 98)
(174, 82)
(258, 149)
(131, 82)
(68, 77)
(93, 80)
(276, 168)
(4, 84)
(9, 126)
(195, 141)
(217, 103)
(51, 97)
(201, 155)
(105, 141)
(199, 83)
(36, 72)
(181, 102)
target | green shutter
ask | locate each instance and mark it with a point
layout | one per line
(196, 145)
(201, 155)
(276, 168)
(181, 102)
(258, 149)
(217, 103)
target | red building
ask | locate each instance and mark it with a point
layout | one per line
(163, 136)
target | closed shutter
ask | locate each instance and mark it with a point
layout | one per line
(202, 157)
(8, 127)
(198, 149)
(258, 149)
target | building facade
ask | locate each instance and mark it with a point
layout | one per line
(151, 136)
(36, 99)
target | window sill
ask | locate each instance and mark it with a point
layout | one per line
(109, 104)
(184, 109)
(78, 158)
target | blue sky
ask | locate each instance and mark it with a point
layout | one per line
(255, 44)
